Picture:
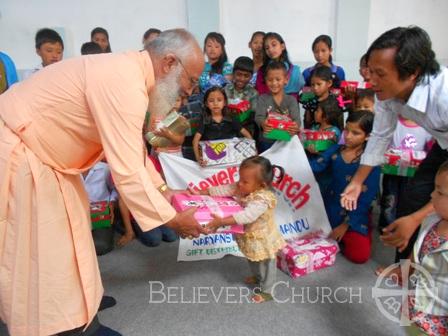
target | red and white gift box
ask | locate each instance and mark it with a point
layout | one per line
(208, 205)
(306, 255)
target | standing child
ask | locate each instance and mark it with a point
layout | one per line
(428, 309)
(322, 54)
(365, 100)
(276, 101)
(217, 71)
(327, 118)
(101, 37)
(256, 46)
(407, 136)
(321, 83)
(49, 47)
(275, 50)
(351, 228)
(261, 239)
(217, 123)
(241, 90)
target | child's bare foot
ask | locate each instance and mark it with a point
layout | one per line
(125, 239)
(261, 297)
(251, 280)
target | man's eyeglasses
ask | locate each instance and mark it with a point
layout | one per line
(193, 82)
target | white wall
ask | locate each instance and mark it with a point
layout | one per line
(298, 22)
(126, 21)
(353, 24)
(431, 15)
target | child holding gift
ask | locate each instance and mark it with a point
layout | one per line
(261, 239)
(277, 101)
(321, 83)
(240, 89)
(275, 50)
(322, 53)
(217, 123)
(351, 228)
(407, 136)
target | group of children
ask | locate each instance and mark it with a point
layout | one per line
(271, 83)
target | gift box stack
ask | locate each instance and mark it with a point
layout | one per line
(208, 205)
(280, 123)
(228, 151)
(174, 122)
(306, 255)
(241, 109)
(318, 140)
(100, 215)
(402, 162)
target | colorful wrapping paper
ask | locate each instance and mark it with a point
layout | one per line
(208, 205)
(306, 255)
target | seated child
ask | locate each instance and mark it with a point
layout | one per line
(351, 228)
(49, 47)
(275, 101)
(261, 239)
(240, 88)
(99, 187)
(217, 123)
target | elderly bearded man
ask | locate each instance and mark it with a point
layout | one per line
(54, 126)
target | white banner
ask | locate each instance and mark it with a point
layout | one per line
(299, 211)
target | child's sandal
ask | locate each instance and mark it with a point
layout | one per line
(262, 297)
(251, 280)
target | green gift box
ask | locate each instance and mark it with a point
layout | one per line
(243, 116)
(398, 171)
(318, 145)
(278, 134)
(100, 215)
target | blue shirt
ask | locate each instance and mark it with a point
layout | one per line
(342, 173)
(10, 69)
(207, 79)
(337, 70)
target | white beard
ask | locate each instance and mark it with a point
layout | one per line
(163, 96)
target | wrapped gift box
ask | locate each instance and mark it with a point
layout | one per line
(175, 123)
(241, 109)
(319, 140)
(303, 256)
(218, 152)
(402, 162)
(208, 205)
(279, 123)
(355, 84)
(100, 215)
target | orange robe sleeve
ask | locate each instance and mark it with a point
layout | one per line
(118, 104)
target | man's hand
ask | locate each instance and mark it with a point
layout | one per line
(186, 225)
(349, 198)
(399, 232)
(339, 232)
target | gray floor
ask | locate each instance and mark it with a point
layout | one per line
(127, 272)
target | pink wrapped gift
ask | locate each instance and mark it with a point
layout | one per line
(305, 255)
(208, 205)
